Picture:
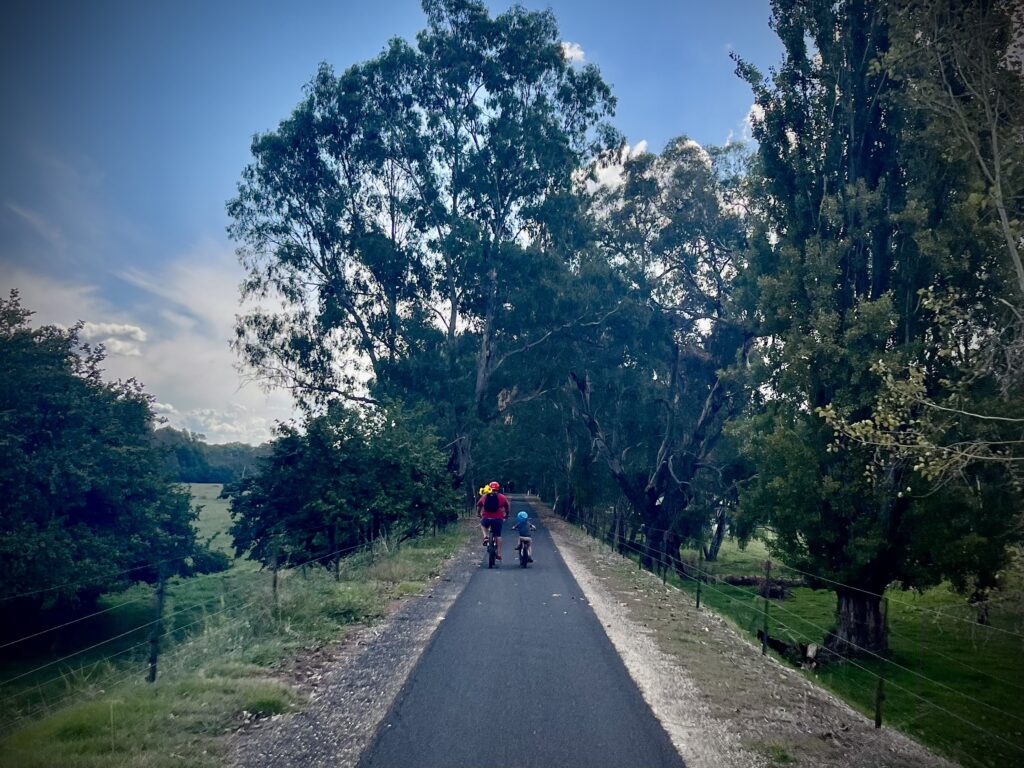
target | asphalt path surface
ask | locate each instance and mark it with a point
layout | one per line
(521, 673)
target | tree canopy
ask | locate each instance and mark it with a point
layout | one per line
(87, 507)
(818, 335)
(409, 204)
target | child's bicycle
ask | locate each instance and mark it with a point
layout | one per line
(524, 553)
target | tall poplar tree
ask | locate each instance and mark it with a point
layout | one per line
(860, 217)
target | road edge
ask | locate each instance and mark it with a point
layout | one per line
(672, 696)
(371, 668)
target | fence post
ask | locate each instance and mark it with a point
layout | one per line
(880, 687)
(154, 635)
(700, 570)
(767, 591)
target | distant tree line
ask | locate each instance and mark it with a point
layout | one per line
(818, 336)
(188, 458)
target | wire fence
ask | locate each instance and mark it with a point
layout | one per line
(651, 534)
(763, 612)
(96, 675)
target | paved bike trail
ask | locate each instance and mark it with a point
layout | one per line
(520, 673)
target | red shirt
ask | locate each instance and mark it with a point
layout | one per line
(503, 508)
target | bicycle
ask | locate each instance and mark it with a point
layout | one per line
(524, 553)
(492, 547)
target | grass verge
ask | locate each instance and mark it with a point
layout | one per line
(224, 637)
(943, 670)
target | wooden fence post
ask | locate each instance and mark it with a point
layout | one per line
(154, 635)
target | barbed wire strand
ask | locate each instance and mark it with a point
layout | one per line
(7, 682)
(18, 694)
(145, 664)
(75, 621)
(92, 579)
(892, 682)
(955, 660)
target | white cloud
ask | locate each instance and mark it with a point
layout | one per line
(610, 176)
(175, 341)
(200, 287)
(236, 423)
(53, 302)
(573, 52)
(56, 213)
(118, 338)
(701, 152)
(95, 331)
(744, 131)
(121, 348)
(754, 116)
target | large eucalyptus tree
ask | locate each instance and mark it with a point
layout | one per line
(659, 384)
(408, 205)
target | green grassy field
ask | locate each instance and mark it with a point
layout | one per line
(214, 517)
(223, 633)
(942, 671)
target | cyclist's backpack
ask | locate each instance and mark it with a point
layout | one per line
(491, 503)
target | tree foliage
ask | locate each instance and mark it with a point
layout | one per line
(655, 388)
(805, 339)
(86, 506)
(406, 205)
(866, 217)
(344, 479)
(961, 75)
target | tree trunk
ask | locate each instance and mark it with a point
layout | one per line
(649, 556)
(459, 463)
(711, 551)
(860, 625)
(672, 544)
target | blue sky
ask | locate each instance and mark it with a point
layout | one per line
(127, 123)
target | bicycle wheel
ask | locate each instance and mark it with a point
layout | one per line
(492, 553)
(523, 556)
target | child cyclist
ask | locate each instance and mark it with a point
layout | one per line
(493, 508)
(523, 527)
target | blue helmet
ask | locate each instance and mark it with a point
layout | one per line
(522, 516)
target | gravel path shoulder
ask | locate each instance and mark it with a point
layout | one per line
(719, 699)
(351, 686)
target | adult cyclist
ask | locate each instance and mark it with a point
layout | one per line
(493, 508)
